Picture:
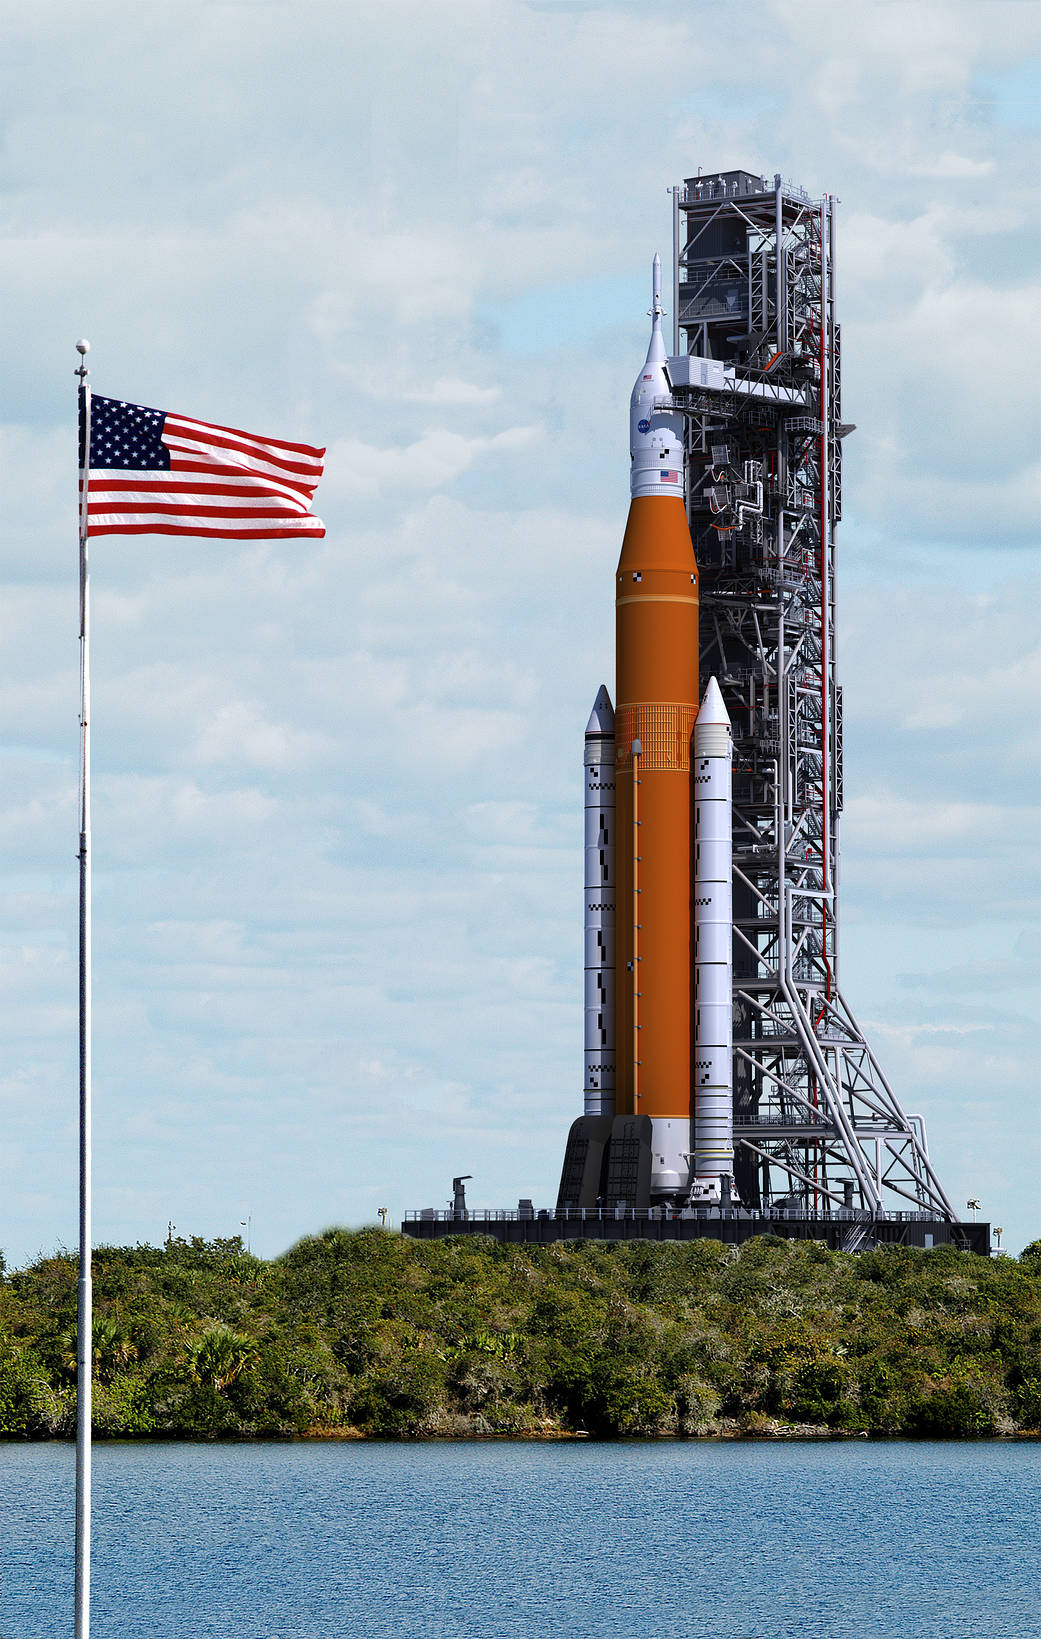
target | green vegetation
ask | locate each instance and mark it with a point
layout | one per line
(374, 1334)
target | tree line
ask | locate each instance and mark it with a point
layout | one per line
(373, 1334)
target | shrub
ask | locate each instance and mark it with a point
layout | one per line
(953, 1410)
(409, 1399)
(627, 1400)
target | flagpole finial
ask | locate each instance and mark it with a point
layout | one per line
(82, 348)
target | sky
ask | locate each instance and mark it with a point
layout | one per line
(338, 784)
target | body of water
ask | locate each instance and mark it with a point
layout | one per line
(466, 1540)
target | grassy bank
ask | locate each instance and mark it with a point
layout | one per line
(373, 1334)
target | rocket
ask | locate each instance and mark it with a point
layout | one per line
(656, 670)
(713, 1156)
(642, 1138)
(600, 909)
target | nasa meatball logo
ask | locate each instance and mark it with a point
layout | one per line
(643, 426)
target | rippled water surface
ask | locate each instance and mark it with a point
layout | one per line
(473, 1541)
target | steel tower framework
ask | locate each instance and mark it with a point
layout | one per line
(758, 375)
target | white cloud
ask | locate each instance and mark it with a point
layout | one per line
(952, 165)
(239, 735)
(885, 818)
(432, 461)
(450, 390)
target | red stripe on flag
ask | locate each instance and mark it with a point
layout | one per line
(221, 534)
(190, 507)
(166, 483)
(196, 481)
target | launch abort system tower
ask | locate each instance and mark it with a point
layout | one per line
(752, 1100)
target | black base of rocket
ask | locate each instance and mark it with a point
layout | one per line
(731, 1225)
(607, 1163)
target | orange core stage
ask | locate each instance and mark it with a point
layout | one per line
(657, 703)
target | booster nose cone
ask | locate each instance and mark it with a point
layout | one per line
(712, 708)
(712, 737)
(601, 718)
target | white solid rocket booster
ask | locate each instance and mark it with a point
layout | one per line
(600, 908)
(713, 949)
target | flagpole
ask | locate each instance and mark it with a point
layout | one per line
(84, 1306)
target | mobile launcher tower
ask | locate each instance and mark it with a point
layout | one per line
(729, 1089)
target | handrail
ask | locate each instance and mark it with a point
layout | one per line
(622, 1214)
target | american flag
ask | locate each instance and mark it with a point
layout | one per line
(670, 477)
(152, 473)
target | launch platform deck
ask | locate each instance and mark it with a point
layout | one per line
(842, 1233)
